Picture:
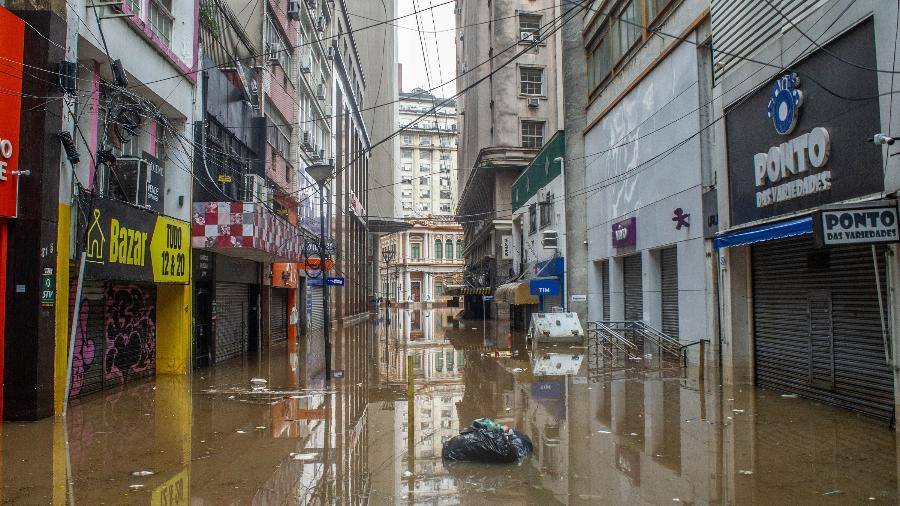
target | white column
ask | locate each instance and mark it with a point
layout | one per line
(651, 284)
(616, 289)
(407, 286)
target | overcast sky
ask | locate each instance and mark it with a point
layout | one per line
(438, 36)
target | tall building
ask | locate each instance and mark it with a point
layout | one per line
(511, 106)
(428, 163)
(376, 35)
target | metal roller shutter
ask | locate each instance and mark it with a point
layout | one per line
(90, 339)
(317, 315)
(817, 326)
(604, 287)
(130, 314)
(634, 293)
(231, 320)
(279, 314)
(669, 281)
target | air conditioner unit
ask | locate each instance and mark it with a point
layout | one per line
(550, 239)
(528, 37)
(320, 91)
(305, 63)
(332, 51)
(293, 9)
(533, 103)
(321, 24)
(307, 140)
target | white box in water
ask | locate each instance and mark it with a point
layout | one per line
(556, 364)
(556, 328)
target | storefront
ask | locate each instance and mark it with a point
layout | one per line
(130, 252)
(817, 271)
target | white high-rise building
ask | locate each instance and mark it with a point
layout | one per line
(427, 168)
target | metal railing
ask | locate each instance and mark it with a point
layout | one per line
(609, 342)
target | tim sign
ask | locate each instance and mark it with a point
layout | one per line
(12, 41)
(868, 223)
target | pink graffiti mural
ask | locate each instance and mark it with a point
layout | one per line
(130, 332)
(84, 350)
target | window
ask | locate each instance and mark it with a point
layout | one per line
(415, 250)
(276, 48)
(531, 81)
(445, 194)
(425, 194)
(278, 133)
(406, 180)
(620, 35)
(424, 155)
(406, 153)
(459, 249)
(532, 134)
(407, 205)
(532, 219)
(445, 208)
(445, 142)
(425, 140)
(406, 167)
(438, 289)
(547, 211)
(425, 168)
(439, 361)
(161, 19)
(407, 139)
(448, 249)
(424, 180)
(438, 250)
(444, 156)
(530, 23)
(134, 6)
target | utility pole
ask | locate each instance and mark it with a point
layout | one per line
(321, 174)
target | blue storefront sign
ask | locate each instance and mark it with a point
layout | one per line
(545, 287)
(334, 281)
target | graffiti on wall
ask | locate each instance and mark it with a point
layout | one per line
(130, 332)
(84, 350)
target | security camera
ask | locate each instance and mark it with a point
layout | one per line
(881, 139)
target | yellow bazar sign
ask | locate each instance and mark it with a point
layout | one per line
(126, 243)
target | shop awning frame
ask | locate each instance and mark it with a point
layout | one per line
(767, 232)
(517, 293)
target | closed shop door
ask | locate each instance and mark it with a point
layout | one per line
(279, 314)
(90, 339)
(115, 341)
(634, 293)
(817, 324)
(669, 281)
(604, 287)
(317, 313)
(231, 320)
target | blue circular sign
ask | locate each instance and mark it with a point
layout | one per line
(784, 103)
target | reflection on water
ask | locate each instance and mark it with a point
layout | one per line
(604, 431)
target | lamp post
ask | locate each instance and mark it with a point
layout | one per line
(565, 247)
(321, 174)
(388, 253)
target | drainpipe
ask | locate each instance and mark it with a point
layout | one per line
(562, 170)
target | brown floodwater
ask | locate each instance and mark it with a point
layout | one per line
(639, 431)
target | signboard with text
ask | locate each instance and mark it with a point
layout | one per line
(624, 233)
(798, 144)
(130, 244)
(544, 287)
(12, 42)
(865, 223)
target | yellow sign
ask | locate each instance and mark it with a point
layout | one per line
(174, 492)
(171, 251)
(224, 179)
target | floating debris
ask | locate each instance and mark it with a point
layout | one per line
(604, 432)
(303, 456)
(407, 473)
(745, 472)
(241, 432)
(789, 396)
(261, 427)
(737, 411)
(258, 384)
(833, 492)
(141, 474)
(518, 369)
(136, 486)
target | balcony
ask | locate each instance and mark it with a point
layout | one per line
(245, 230)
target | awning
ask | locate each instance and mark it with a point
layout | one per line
(768, 232)
(515, 293)
(456, 290)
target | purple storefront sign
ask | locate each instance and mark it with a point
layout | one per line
(624, 233)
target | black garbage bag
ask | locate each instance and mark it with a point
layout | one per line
(480, 445)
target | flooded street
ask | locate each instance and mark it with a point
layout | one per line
(627, 432)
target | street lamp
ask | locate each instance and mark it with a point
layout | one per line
(321, 174)
(562, 171)
(388, 253)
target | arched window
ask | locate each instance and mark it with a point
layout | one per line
(449, 250)
(459, 252)
(438, 250)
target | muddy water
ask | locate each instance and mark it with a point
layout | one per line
(604, 432)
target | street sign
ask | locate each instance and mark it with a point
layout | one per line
(579, 298)
(546, 287)
(334, 281)
(48, 287)
(487, 298)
